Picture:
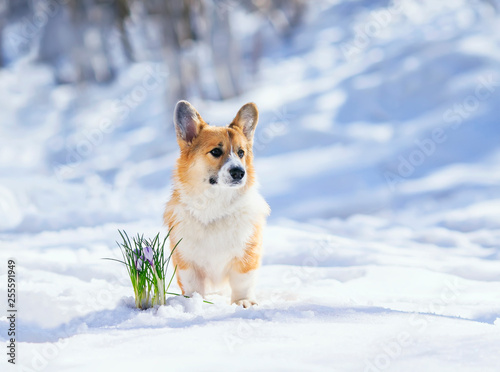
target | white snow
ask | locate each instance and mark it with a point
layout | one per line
(360, 273)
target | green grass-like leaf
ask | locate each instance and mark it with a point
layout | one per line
(148, 281)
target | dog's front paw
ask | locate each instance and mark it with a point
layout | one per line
(245, 303)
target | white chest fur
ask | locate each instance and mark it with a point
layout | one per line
(216, 228)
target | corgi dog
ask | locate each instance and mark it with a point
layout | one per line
(215, 207)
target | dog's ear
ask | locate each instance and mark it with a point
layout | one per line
(246, 119)
(188, 122)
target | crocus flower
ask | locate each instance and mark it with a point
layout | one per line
(148, 253)
(139, 259)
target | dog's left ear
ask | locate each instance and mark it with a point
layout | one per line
(246, 119)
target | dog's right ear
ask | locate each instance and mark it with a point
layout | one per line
(188, 122)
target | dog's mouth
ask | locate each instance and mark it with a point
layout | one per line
(234, 183)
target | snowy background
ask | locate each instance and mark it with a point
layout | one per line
(378, 149)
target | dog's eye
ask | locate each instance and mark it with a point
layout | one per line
(241, 153)
(217, 152)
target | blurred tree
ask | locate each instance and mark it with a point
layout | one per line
(122, 11)
(14, 11)
(196, 38)
(75, 41)
(3, 20)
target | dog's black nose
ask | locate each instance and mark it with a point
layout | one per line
(237, 173)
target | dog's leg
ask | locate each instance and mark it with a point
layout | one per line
(243, 271)
(243, 287)
(191, 281)
(189, 277)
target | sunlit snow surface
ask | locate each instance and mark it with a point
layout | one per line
(382, 249)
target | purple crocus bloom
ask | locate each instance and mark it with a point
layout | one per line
(139, 259)
(148, 253)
